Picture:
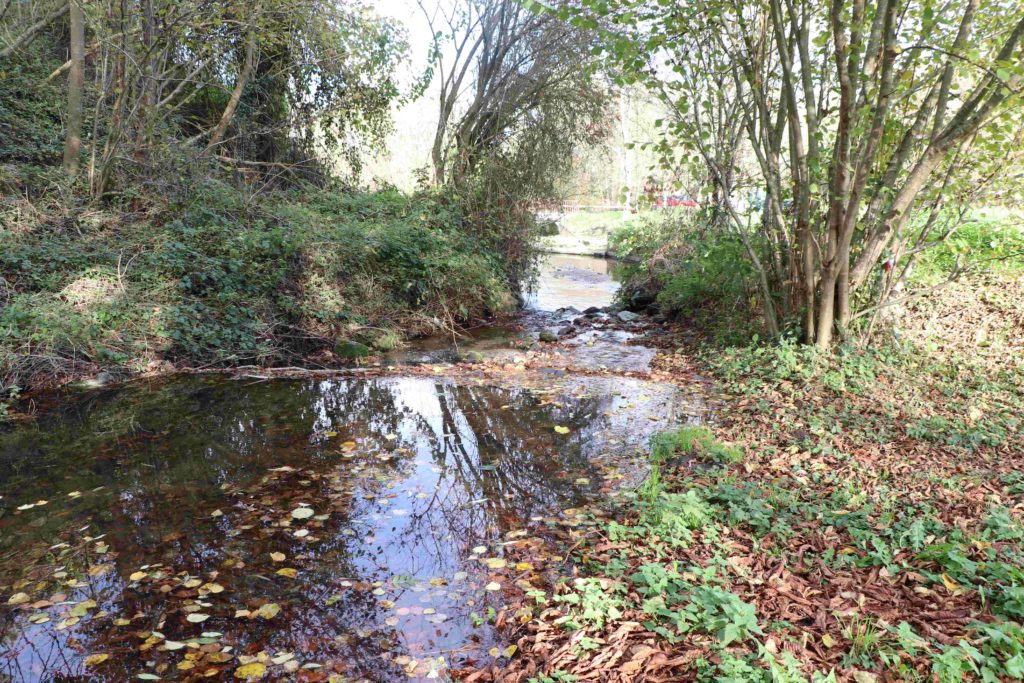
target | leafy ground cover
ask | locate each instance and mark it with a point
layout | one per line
(854, 517)
(217, 276)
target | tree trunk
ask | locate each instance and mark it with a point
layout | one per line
(627, 154)
(236, 94)
(76, 82)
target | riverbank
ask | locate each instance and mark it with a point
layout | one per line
(383, 522)
(216, 277)
(855, 517)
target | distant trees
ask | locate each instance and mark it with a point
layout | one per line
(264, 84)
(516, 95)
(866, 122)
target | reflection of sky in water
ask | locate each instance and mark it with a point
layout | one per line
(579, 281)
(464, 466)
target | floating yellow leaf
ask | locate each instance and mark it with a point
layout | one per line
(278, 557)
(251, 670)
(523, 566)
(214, 588)
(82, 608)
(137, 576)
(197, 617)
(561, 430)
(18, 599)
(302, 513)
(269, 610)
(439, 582)
(287, 571)
(495, 563)
(93, 660)
(493, 586)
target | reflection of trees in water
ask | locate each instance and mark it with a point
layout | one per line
(163, 454)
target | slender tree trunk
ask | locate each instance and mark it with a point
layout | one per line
(76, 82)
(627, 154)
(236, 95)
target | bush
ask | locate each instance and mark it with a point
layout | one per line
(220, 277)
(688, 270)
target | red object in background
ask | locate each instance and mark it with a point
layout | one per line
(674, 200)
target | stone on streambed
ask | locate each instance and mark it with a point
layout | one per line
(547, 336)
(566, 331)
(345, 348)
(627, 316)
(471, 357)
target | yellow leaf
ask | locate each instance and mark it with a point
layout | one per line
(93, 660)
(251, 670)
(827, 640)
(287, 571)
(137, 576)
(951, 585)
(214, 588)
(561, 430)
(495, 563)
(18, 599)
(269, 610)
(278, 557)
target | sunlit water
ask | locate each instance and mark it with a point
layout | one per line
(318, 530)
(425, 498)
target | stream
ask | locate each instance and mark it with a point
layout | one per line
(355, 527)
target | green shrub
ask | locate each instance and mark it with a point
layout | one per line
(216, 276)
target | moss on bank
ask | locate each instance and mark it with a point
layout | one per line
(225, 276)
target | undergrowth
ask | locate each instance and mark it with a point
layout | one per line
(221, 275)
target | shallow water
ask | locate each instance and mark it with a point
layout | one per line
(576, 281)
(178, 498)
(567, 284)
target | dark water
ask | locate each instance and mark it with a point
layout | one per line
(431, 504)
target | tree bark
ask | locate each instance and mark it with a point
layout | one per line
(76, 82)
(236, 94)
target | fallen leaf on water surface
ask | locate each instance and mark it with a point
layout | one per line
(82, 608)
(93, 660)
(197, 617)
(561, 430)
(269, 610)
(193, 583)
(289, 572)
(302, 513)
(391, 621)
(493, 586)
(216, 513)
(213, 588)
(278, 557)
(495, 563)
(18, 599)
(438, 581)
(137, 576)
(173, 645)
(67, 623)
(251, 670)
(148, 677)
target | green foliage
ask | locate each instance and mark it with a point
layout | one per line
(218, 278)
(689, 270)
(694, 441)
(31, 127)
